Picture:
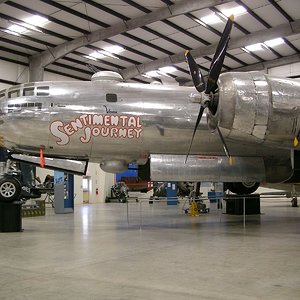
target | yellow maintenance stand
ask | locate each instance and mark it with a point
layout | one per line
(194, 211)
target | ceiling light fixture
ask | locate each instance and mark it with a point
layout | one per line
(36, 20)
(152, 74)
(274, 42)
(114, 49)
(211, 19)
(97, 54)
(168, 69)
(236, 11)
(17, 28)
(255, 47)
(28, 24)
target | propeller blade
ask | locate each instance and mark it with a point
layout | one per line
(195, 72)
(225, 146)
(195, 129)
(217, 62)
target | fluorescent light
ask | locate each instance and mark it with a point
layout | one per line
(90, 57)
(10, 32)
(254, 47)
(97, 54)
(16, 28)
(152, 74)
(274, 42)
(168, 69)
(211, 19)
(236, 11)
(36, 20)
(114, 49)
(28, 24)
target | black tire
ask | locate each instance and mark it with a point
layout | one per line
(122, 199)
(10, 189)
(243, 188)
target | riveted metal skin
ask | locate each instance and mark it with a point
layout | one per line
(206, 168)
(258, 108)
(116, 123)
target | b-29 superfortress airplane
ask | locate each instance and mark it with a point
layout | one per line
(254, 119)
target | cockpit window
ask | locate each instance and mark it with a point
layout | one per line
(14, 94)
(38, 105)
(29, 91)
(2, 94)
(111, 98)
(42, 91)
(17, 107)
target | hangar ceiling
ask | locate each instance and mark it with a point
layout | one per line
(146, 39)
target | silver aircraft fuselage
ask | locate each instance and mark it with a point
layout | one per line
(107, 120)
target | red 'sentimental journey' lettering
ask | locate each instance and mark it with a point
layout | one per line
(97, 125)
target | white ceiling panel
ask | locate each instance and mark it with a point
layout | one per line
(97, 14)
(246, 58)
(184, 39)
(126, 10)
(271, 15)
(124, 40)
(293, 37)
(292, 7)
(143, 34)
(37, 5)
(128, 58)
(69, 33)
(69, 71)
(162, 28)
(183, 21)
(250, 23)
(13, 56)
(284, 50)
(204, 34)
(152, 5)
(296, 43)
(231, 63)
(256, 4)
(147, 49)
(167, 45)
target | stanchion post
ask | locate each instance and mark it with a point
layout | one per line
(141, 214)
(244, 211)
(127, 212)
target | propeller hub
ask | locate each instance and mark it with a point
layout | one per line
(206, 99)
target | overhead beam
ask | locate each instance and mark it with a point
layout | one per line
(49, 56)
(282, 30)
(278, 62)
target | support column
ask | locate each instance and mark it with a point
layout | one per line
(36, 70)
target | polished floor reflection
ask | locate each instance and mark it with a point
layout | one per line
(160, 253)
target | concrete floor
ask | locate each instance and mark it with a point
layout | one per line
(95, 254)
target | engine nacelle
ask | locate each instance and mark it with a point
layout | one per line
(257, 108)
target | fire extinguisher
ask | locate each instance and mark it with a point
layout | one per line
(97, 192)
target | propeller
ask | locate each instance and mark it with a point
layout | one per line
(208, 88)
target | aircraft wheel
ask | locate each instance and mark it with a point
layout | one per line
(122, 199)
(10, 190)
(243, 188)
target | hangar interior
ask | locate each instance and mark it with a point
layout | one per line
(146, 249)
